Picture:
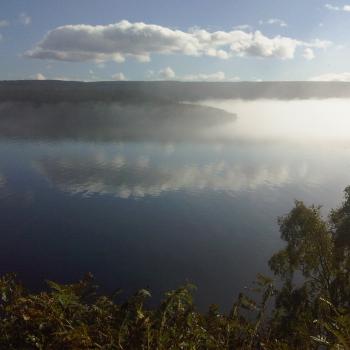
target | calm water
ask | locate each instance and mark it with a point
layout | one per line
(154, 196)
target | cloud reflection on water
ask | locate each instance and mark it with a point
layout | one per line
(142, 176)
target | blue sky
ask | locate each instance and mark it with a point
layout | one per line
(175, 40)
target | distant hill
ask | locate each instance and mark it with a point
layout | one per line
(109, 121)
(51, 91)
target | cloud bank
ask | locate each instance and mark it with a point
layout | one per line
(345, 8)
(169, 74)
(344, 76)
(122, 40)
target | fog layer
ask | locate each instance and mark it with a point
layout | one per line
(311, 120)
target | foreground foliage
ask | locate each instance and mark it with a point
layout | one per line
(308, 310)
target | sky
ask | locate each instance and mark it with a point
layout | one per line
(192, 40)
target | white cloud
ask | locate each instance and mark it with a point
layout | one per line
(24, 19)
(331, 7)
(276, 21)
(244, 27)
(39, 76)
(217, 76)
(169, 74)
(309, 54)
(63, 78)
(116, 42)
(166, 73)
(4, 23)
(93, 76)
(318, 44)
(344, 76)
(119, 77)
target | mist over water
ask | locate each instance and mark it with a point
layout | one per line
(309, 120)
(152, 195)
(112, 122)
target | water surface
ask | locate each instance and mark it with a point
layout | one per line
(157, 195)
